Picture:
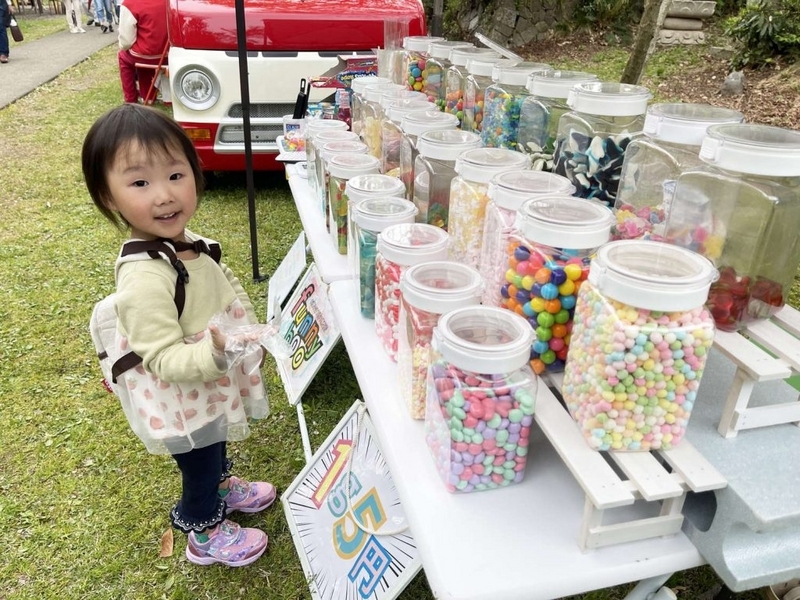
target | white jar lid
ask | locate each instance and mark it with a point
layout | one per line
(652, 275)
(330, 149)
(389, 98)
(518, 73)
(417, 123)
(400, 108)
(376, 214)
(565, 222)
(323, 136)
(685, 123)
(609, 98)
(413, 243)
(460, 56)
(753, 149)
(374, 93)
(441, 286)
(347, 166)
(315, 126)
(556, 84)
(373, 185)
(481, 164)
(419, 43)
(484, 65)
(484, 339)
(442, 49)
(362, 81)
(447, 144)
(511, 189)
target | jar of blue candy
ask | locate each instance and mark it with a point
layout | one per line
(479, 77)
(412, 126)
(456, 76)
(436, 66)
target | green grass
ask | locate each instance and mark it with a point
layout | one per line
(35, 26)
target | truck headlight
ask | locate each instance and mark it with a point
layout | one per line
(197, 88)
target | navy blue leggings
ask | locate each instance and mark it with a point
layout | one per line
(202, 470)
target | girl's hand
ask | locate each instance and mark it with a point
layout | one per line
(218, 339)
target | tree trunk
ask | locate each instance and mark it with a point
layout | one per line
(436, 25)
(652, 18)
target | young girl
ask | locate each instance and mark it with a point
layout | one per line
(144, 175)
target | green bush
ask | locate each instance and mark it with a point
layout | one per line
(765, 31)
(614, 16)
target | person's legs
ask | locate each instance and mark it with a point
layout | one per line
(145, 77)
(3, 32)
(200, 507)
(73, 14)
(127, 76)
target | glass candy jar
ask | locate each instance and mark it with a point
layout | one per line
(593, 135)
(412, 126)
(437, 64)
(639, 345)
(313, 128)
(742, 211)
(392, 133)
(480, 399)
(341, 169)
(479, 77)
(415, 58)
(357, 99)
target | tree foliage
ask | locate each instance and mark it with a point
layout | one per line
(765, 31)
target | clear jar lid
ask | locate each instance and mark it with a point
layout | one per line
(753, 149)
(652, 275)
(413, 243)
(399, 108)
(441, 286)
(484, 339)
(330, 149)
(609, 99)
(484, 65)
(442, 49)
(511, 189)
(565, 222)
(373, 185)
(481, 164)
(419, 43)
(358, 84)
(315, 126)
(557, 84)
(460, 56)
(518, 73)
(323, 136)
(417, 123)
(376, 214)
(447, 144)
(347, 166)
(390, 97)
(684, 123)
(374, 93)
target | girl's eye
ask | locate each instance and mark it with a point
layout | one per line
(139, 183)
(176, 176)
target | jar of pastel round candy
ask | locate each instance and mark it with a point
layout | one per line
(469, 195)
(357, 99)
(324, 154)
(479, 77)
(370, 218)
(480, 399)
(315, 127)
(373, 115)
(412, 126)
(507, 192)
(503, 100)
(436, 167)
(400, 247)
(540, 112)
(341, 169)
(547, 260)
(639, 345)
(391, 133)
(436, 66)
(671, 143)
(457, 74)
(427, 291)
(415, 58)
(742, 211)
(593, 135)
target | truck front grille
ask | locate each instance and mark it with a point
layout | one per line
(262, 111)
(260, 134)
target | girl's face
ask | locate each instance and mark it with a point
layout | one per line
(154, 192)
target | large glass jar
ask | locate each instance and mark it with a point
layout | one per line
(400, 247)
(593, 135)
(415, 59)
(481, 397)
(670, 145)
(503, 100)
(324, 154)
(742, 211)
(547, 260)
(427, 291)
(412, 126)
(479, 77)
(370, 218)
(469, 196)
(313, 128)
(392, 134)
(437, 64)
(639, 345)
(435, 167)
(341, 169)
(372, 114)
(456, 76)
(357, 99)
(507, 192)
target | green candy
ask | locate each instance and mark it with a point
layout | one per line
(501, 437)
(515, 415)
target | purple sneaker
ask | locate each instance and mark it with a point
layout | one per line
(249, 497)
(228, 544)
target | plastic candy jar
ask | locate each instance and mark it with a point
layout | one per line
(469, 197)
(427, 291)
(503, 100)
(314, 127)
(415, 59)
(357, 99)
(370, 218)
(593, 136)
(391, 133)
(400, 247)
(436, 66)
(479, 77)
(671, 143)
(436, 167)
(540, 112)
(481, 397)
(639, 345)
(412, 126)
(507, 192)
(742, 211)
(324, 154)
(372, 115)
(341, 169)
(457, 75)
(547, 260)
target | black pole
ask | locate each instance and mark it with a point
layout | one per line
(244, 86)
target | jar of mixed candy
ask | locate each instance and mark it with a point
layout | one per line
(469, 197)
(415, 58)
(341, 169)
(479, 77)
(507, 192)
(480, 399)
(412, 126)
(371, 217)
(357, 99)
(391, 133)
(372, 115)
(456, 76)
(314, 127)
(639, 345)
(330, 143)
(742, 211)
(593, 135)
(436, 66)
(427, 291)
(670, 145)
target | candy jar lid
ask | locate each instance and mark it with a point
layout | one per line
(652, 275)
(459, 56)
(447, 144)
(374, 93)
(685, 123)
(565, 222)
(413, 243)
(441, 286)
(392, 96)
(362, 187)
(330, 149)
(511, 189)
(481, 164)
(347, 166)
(324, 136)
(358, 84)
(556, 84)
(753, 149)
(419, 43)
(517, 73)
(417, 123)
(376, 214)
(484, 65)
(484, 339)
(443, 48)
(399, 108)
(316, 126)
(609, 98)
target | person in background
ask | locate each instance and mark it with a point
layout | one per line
(104, 15)
(6, 10)
(72, 10)
(142, 39)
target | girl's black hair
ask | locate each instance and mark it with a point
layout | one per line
(120, 127)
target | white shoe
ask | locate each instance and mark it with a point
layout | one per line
(74, 30)
(81, 30)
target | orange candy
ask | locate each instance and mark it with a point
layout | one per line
(538, 366)
(542, 276)
(552, 306)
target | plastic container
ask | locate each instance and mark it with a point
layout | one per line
(469, 197)
(481, 398)
(479, 77)
(742, 211)
(507, 192)
(593, 135)
(415, 59)
(639, 345)
(547, 260)
(427, 291)
(435, 166)
(671, 143)
(371, 217)
(313, 128)
(456, 76)
(357, 99)
(372, 115)
(341, 169)
(503, 100)
(324, 154)
(392, 134)
(412, 126)
(436, 67)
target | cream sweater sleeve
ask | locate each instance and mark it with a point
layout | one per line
(127, 28)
